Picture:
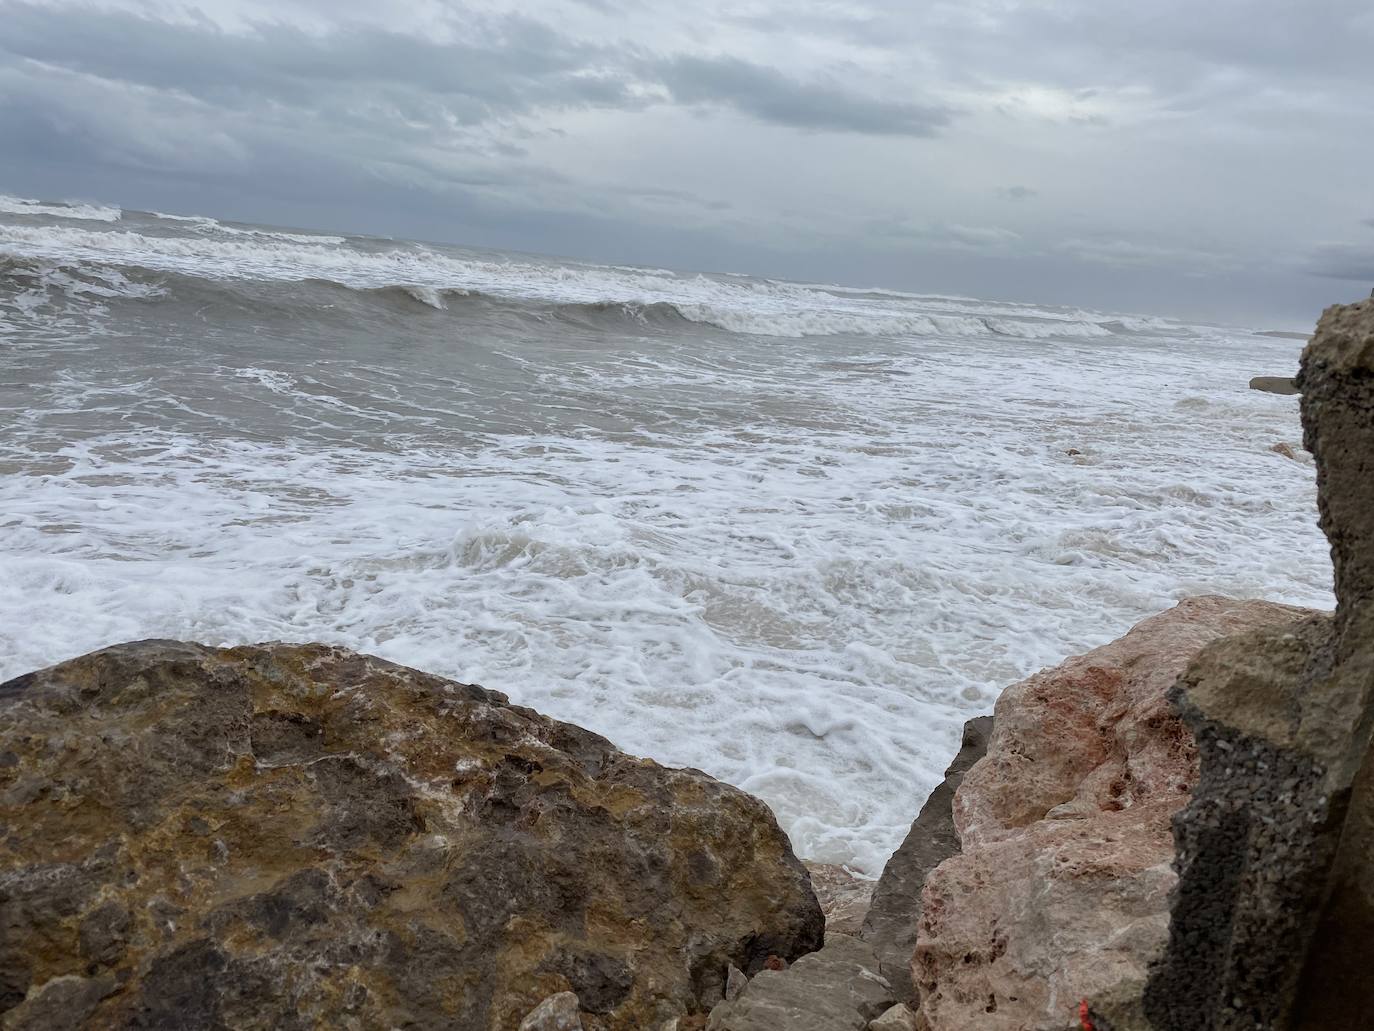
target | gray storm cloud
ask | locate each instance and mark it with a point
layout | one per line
(1167, 157)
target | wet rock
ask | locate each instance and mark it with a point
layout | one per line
(293, 836)
(556, 1013)
(1275, 384)
(895, 912)
(1286, 450)
(1062, 888)
(844, 898)
(1273, 917)
(836, 989)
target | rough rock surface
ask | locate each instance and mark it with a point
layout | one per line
(300, 836)
(899, 1018)
(1274, 849)
(836, 989)
(844, 898)
(895, 912)
(1275, 384)
(556, 1013)
(1062, 887)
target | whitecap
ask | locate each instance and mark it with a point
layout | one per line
(84, 212)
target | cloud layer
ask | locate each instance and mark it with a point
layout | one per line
(1156, 156)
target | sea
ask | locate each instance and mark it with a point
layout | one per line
(791, 534)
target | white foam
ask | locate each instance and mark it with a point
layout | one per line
(805, 609)
(196, 220)
(206, 224)
(427, 295)
(757, 307)
(277, 382)
(85, 212)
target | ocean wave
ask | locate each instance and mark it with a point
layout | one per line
(413, 274)
(821, 322)
(58, 209)
(206, 224)
(72, 279)
(200, 220)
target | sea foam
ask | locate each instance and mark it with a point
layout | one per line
(83, 212)
(619, 494)
(759, 307)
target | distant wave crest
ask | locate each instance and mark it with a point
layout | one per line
(58, 209)
(413, 276)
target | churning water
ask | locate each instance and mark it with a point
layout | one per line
(790, 534)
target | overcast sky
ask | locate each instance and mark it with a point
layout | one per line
(1211, 158)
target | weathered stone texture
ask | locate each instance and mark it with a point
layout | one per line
(1273, 855)
(844, 898)
(1061, 890)
(836, 989)
(559, 1012)
(894, 915)
(303, 837)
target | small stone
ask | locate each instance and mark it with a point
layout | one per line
(898, 1018)
(734, 983)
(556, 1013)
(1284, 449)
(1073, 451)
(775, 963)
(1274, 384)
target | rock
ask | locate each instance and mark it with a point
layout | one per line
(556, 1013)
(1275, 384)
(1284, 449)
(1273, 917)
(292, 836)
(899, 1018)
(1073, 452)
(60, 1004)
(843, 897)
(735, 980)
(1062, 887)
(895, 912)
(836, 989)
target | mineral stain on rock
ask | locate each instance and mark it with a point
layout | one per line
(297, 836)
(1060, 885)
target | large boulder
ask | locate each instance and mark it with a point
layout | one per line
(1062, 886)
(294, 836)
(1273, 918)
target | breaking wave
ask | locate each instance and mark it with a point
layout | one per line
(58, 209)
(443, 279)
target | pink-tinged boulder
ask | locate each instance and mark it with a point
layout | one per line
(1061, 890)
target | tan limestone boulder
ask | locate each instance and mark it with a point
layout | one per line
(298, 836)
(1061, 891)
